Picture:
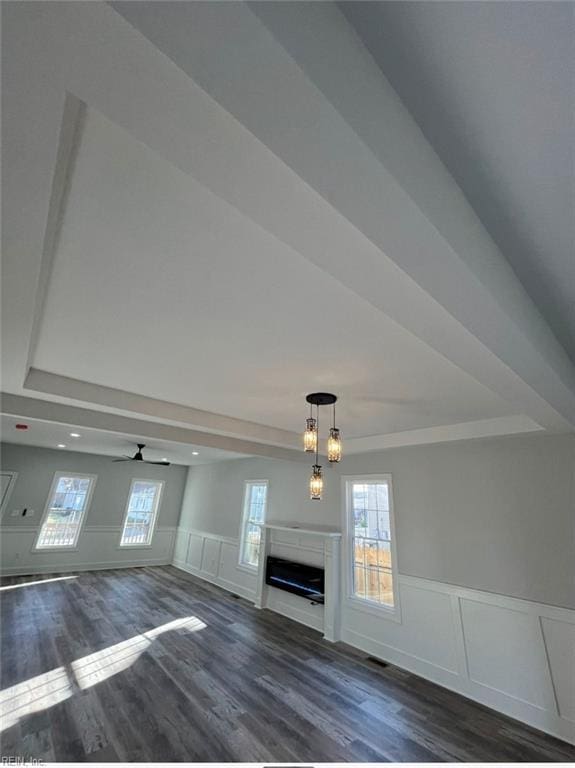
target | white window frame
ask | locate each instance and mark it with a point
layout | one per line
(9, 488)
(155, 512)
(245, 519)
(65, 547)
(355, 602)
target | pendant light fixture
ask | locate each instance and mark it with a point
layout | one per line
(311, 441)
(310, 434)
(316, 483)
(334, 442)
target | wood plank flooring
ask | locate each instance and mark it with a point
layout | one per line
(150, 664)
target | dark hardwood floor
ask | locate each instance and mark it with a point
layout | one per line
(150, 664)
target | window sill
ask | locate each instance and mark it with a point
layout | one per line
(134, 546)
(251, 569)
(375, 609)
(62, 548)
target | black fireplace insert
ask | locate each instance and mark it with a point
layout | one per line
(298, 578)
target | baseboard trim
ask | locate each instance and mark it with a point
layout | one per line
(81, 567)
(423, 667)
(229, 586)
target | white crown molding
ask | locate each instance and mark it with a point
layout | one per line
(504, 425)
(110, 421)
(107, 421)
(150, 407)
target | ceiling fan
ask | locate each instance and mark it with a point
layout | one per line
(138, 457)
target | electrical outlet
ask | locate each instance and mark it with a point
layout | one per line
(15, 513)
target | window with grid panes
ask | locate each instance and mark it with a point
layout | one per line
(255, 500)
(141, 512)
(370, 539)
(67, 505)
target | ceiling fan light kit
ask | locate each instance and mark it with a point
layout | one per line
(311, 441)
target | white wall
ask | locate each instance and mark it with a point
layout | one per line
(495, 514)
(98, 545)
(485, 534)
(213, 499)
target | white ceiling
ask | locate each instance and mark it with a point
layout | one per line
(45, 434)
(492, 86)
(212, 209)
(206, 309)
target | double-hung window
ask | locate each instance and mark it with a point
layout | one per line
(371, 541)
(65, 511)
(255, 501)
(141, 513)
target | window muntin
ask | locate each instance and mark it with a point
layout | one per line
(255, 501)
(370, 536)
(141, 512)
(66, 508)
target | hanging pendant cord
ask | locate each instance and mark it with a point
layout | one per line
(317, 437)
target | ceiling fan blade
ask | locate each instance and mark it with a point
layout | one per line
(138, 457)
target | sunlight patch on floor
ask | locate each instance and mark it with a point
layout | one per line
(36, 583)
(93, 669)
(34, 695)
(57, 685)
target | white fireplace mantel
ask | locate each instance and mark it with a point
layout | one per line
(331, 558)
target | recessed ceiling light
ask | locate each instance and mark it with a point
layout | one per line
(195, 453)
(74, 434)
(61, 445)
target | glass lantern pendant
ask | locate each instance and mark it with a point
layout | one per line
(310, 435)
(334, 445)
(316, 483)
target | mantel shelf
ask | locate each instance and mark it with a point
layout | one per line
(294, 528)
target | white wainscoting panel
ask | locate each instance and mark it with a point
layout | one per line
(181, 546)
(424, 636)
(98, 548)
(195, 551)
(513, 655)
(559, 639)
(211, 557)
(514, 665)
(215, 559)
